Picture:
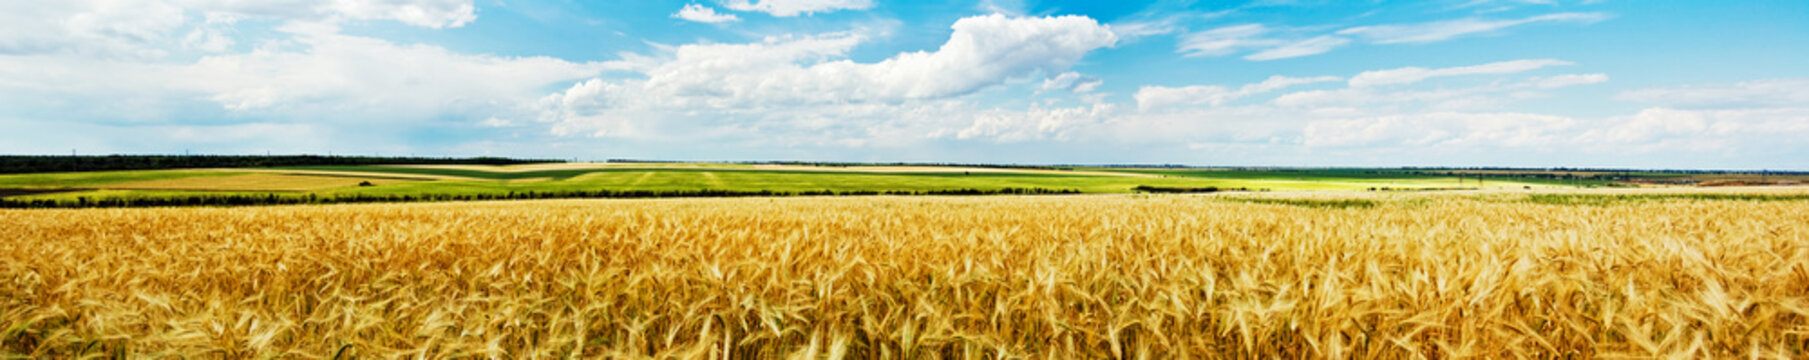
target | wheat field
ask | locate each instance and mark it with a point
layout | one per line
(1108, 276)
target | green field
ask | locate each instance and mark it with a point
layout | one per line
(98, 178)
(498, 180)
(1371, 177)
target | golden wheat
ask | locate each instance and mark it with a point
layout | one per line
(918, 277)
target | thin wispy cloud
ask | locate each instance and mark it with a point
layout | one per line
(1264, 42)
(1150, 97)
(1314, 46)
(1226, 40)
(1408, 75)
(1451, 29)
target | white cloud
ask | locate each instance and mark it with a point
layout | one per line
(804, 73)
(1440, 130)
(1449, 29)
(789, 8)
(1151, 97)
(703, 14)
(1360, 121)
(1384, 123)
(86, 53)
(1752, 118)
(1653, 123)
(1072, 81)
(1148, 24)
(1733, 133)
(325, 78)
(148, 29)
(1035, 123)
(114, 29)
(1567, 80)
(1313, 46)
(1758, 93)
(1281, 42)
(1481, 97)
(338, 73)
(1408, 75)
(212, 36)
(424, 13)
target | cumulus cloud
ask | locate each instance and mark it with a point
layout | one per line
(1072, 81)
(148, 29)
(1730, 133)
(92, 28)
(789, 8)
(1356, 121)
(1449, 29)
(1408, 75)
(114, 52)
(1759, 117)
(811, 71)
(1650, 124)
(339, 73)
(703, 14)
(326, 82)
(1377, 121)
(1037, 122)
(424, 13)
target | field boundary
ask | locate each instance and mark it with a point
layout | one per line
(9, 192)
(274, 198)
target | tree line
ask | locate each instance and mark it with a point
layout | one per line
(1625, 172)
(275, 199)
(20, 164)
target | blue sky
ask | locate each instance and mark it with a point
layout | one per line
(1537, 83)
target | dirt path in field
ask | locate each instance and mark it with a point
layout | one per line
(711, 177)
(642, 179)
